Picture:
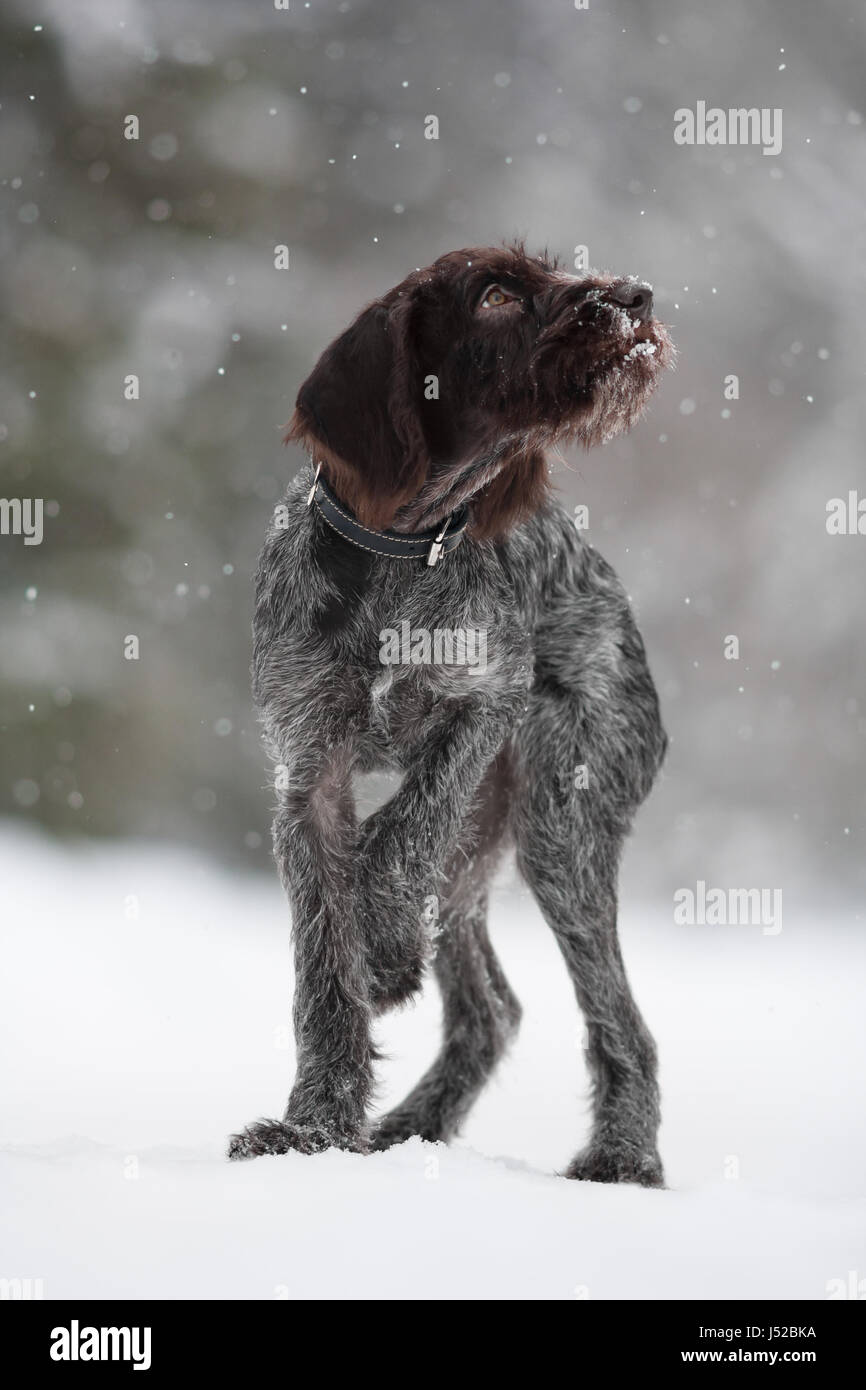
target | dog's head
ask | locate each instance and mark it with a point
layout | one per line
(450, 386)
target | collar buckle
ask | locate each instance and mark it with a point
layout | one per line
(435, 550)
(312, 491)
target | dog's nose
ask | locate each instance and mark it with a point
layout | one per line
(634, 295)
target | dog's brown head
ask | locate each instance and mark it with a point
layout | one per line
(450, 386)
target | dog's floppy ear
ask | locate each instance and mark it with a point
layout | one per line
(356, 414)
(516, 492)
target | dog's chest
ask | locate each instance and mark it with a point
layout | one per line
(435, 650)
(425, 668)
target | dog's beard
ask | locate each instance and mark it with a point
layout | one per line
(612, 390)
(620, 389)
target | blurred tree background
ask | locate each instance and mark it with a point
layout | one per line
(304, 127)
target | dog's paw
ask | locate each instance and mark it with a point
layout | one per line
(617, 1165)
(395, 916)
(281, 1137)
(382, 1138)
(399, 1126)
(392, 982)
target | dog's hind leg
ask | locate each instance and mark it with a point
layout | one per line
(480, 1016)
(568, 844)
(480, 1012)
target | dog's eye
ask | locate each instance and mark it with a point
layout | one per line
(495, 296)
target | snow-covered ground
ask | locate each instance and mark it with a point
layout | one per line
(143, 1010)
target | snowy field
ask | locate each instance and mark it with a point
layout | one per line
(143, 1011)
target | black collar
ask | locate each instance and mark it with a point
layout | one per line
(420, 545)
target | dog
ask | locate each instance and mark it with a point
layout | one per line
(427, 510)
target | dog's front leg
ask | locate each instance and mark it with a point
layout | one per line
(404, 845)
(315, 845)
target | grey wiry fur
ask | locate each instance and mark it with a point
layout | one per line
(487, 755)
